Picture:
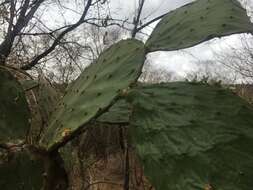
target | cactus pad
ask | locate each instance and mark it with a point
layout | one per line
(18, 172)
(117, 114)
(14, 111)
(193, 136)
(95, 91)
(197, 22)
(47, 98)
(29, 84)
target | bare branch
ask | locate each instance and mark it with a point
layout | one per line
(22, 21)
(36, 60)
(150, 22)
(137, 19)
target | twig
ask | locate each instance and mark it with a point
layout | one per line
(137, 19)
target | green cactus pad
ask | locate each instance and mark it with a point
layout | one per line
(43, 98)
(20, 172)
(14, 111)
(95, 91)
(193, 136)
(197, 22)
(29, 84)
(47, 98)
(68, 154)
(117, 114)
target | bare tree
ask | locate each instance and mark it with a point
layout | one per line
(19, 15)
(151, 74)
(27, 33)
(62, 50)
(211, 71)
(239, 58)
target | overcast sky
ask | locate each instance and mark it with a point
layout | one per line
(180, 62)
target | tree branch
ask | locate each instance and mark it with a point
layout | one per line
(150, 22)
(36, 60)
(22, 21)
(137, 19)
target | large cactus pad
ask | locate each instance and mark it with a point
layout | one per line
(29, 84)
(47, 98)
(18, 171)
(193, 136)
(95, 91)
(14, 111)
(197, 22)
(117, 114)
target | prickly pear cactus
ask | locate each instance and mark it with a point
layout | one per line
(197, 22)
(95, 91)
(14, 111)
(192, 136)
(18, 171)
(47, 97)
(74, 165)
(42, 99)
(117, 114)
(29, 84)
